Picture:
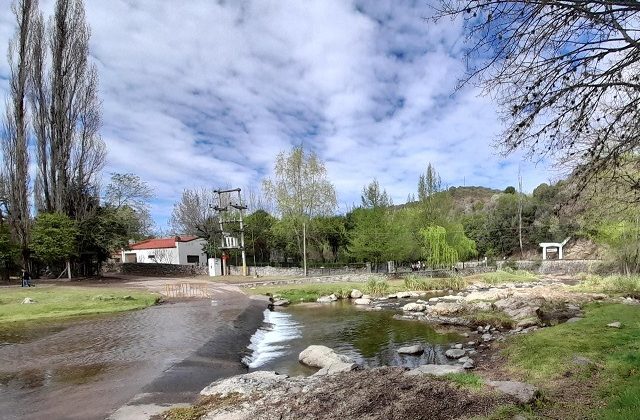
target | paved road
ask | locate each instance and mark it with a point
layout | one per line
(128, 364)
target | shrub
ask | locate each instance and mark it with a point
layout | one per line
(377, 287)
(627, 285)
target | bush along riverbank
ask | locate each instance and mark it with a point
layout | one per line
(531, 350)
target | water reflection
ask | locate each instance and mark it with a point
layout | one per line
(370, 337)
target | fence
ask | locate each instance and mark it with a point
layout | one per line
(182, 290)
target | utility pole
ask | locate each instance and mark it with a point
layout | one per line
(520, 212)
(304, 247)
(223, 206)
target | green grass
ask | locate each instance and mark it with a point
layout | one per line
(506, 276)
(548, 355)
(298, 293)
(426, 283)
(624, 285)
(54, 302)
(465, 380)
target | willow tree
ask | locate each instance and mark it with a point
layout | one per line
(566, 75)
(300, 190)
(436, 249)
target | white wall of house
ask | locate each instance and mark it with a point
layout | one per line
(193, 248)
(163, 255)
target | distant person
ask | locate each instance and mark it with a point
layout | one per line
(26, 278)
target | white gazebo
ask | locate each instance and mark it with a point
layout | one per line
(555, 246)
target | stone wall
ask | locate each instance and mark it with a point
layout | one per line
(162, 270)
(297, 271)
(553, 266)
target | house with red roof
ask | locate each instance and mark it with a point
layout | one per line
(173, 250)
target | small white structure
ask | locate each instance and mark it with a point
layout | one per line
(215, 267)
(554, 246)
(174, 250)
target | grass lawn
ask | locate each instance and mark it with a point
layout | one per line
(54, 302)
(504, 276)
(586, 368)
(298, 293)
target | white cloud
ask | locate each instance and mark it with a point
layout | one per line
(205, 93)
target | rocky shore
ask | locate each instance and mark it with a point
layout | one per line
(341, 389)
(482, 314)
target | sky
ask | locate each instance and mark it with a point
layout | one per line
(207, 93)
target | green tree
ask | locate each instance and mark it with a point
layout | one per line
(436, 250)
(130, 197)
(329, 236)
(99, 235)
(429, 183)
(375, 196)
(9, 252)
(370, 236)
(54, 238)
(259, 235)
(300, 190)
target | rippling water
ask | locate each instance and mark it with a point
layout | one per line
(370, 337)
(273, 339)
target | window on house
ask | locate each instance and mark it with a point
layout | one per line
(193, 259)
(152, 257)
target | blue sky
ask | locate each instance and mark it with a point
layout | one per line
(204, 93)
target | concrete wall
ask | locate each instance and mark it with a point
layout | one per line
(163, 256)
(192, 248)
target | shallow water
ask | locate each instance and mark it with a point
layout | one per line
(84, 368)
(369, 337)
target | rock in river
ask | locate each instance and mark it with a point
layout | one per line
(327, 299)
(355, 294)
(413, 307)
(281, 302)
(362, 301)
(326, 359)
(454, 353)
(415, 349)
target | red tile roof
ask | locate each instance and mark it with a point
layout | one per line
(159, 243)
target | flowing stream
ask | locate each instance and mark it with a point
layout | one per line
(370, 337)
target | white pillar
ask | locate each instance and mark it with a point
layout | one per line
(560, 252)
(544, 252)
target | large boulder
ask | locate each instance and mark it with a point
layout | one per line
(281, 302)
(326, 359)
(327, 299)
(355, 294)
(403, 295)
(524, 393)
(488, 295)
(414, 307)
(435, 370)
(447, 309)
(415, 349)
(245, 384)
(519, 307)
